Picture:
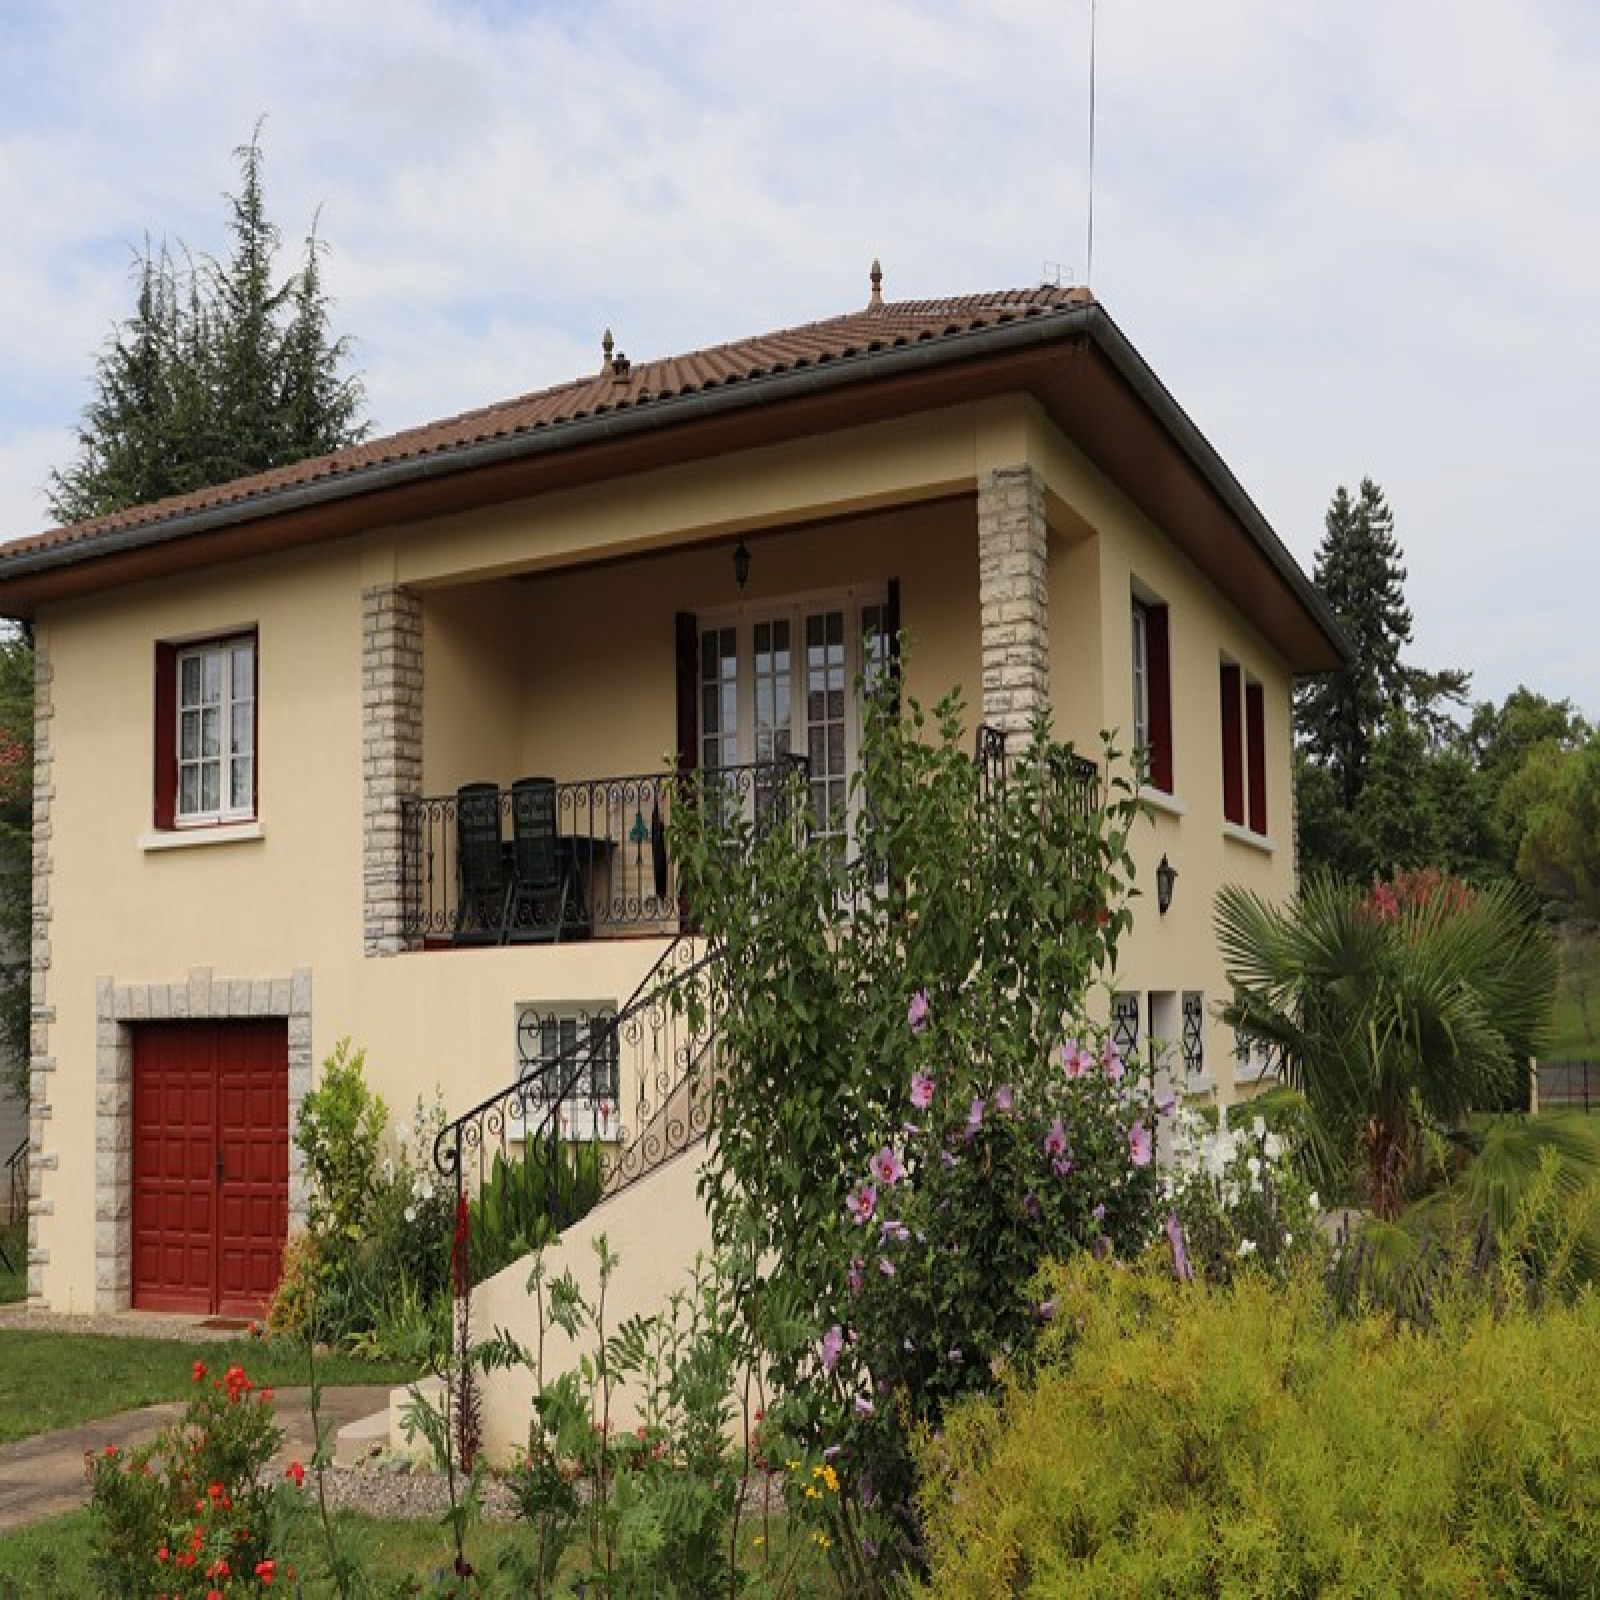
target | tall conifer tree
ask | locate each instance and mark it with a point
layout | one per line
(1360, 573)
(221, 371)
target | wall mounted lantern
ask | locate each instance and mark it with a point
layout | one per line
(741, 565)
(1166, 876)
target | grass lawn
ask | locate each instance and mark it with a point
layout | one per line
(50, 1561)
(14, 1279)
(53, 1380)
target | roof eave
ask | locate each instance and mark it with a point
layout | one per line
(1087, 322)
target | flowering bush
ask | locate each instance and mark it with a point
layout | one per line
(894, 1109)
(942, 1237)
(1237, 1195)
(190, 1514)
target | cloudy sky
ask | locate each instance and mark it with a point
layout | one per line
(1354, 237)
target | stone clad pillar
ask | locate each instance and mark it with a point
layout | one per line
(43, 1157)
(391, 755)
(1013, 597)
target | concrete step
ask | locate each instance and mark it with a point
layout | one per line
(356, 1441)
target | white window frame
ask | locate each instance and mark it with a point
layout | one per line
(231, 750)
(583, 1115)
(1141, 676)
(737, 746)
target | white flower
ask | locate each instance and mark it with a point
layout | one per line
(1258, 1127)
(426, 1190)
(411, 1213)
(1253, 1167)
(403, 1134)
(1288, 1239)
(1313, 1201)
(1247, 1247)
(1272, 1147)
(388, 1170)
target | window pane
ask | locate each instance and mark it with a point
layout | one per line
(243, 685)
(240, 798)
(211, 664)
(188, 791)
(189, 735)
(210, 732)
(189, 681)
(210, 786)
(244, 718)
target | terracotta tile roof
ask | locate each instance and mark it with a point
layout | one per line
(616, 387)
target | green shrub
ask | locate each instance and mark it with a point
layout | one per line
(340, 1126)
(528, 1199)
(192, 1513)
(1194, 1439)
(373, 1269)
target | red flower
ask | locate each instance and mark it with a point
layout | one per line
(198, 1370)
(163, 1554)
(111, 1452)
(296, 1473)
(266, 1571)
(267, 1397)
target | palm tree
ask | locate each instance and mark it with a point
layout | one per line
(1390, 1012)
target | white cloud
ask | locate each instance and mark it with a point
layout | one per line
(1351, 239)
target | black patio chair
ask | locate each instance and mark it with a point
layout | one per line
(545, 903)
(484, 886)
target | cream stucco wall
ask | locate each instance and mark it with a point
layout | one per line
(655, 1229)
(1102, 549)
(571, 675)
(548, 647)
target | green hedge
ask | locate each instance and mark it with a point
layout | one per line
(1178, 1439)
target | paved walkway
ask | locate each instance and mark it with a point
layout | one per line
(45, 1475)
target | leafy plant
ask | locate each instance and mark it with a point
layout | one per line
(990, 897)
(190, 1513)
(1239, 1197)
(529, 1197)
(1393, 1011)
(339, 1130)
(658, 1508)
(1199, 1439)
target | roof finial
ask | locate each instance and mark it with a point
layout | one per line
(876, 302)
(607, 345)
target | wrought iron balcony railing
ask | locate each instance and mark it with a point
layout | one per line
(556, 860)
(1076, 775)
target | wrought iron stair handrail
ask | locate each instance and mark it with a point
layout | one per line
(17, 1181)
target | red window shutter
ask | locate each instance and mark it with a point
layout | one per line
(1158, 671)
(687, 661)
(166, 735)
(1256, 751)
(1232, 751)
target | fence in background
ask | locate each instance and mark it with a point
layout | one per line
(1569, 1086)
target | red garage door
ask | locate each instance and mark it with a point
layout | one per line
(210, 1164)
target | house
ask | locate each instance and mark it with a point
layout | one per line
(282, 726)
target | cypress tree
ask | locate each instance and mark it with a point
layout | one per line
(1360, 573)
(222, 370)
